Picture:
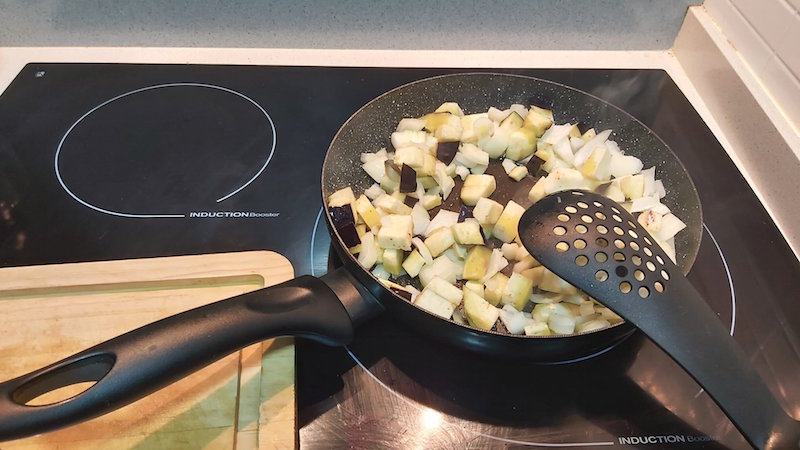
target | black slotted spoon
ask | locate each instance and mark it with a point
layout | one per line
(596, 245)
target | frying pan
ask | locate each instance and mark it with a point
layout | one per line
(326, 309)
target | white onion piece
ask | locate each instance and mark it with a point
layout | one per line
(575, 143)
(543, 311)
(513, 320)
(581, 319)
(443, 219)
(564, 151)
(643, 203)
(369, 251)
(556, 133)
(510, 250)
(420, 192)
(508, 165)
(380, 154)
(586, 150)
(649, 182)
(414, 292)
(497, 144)
(420, 217)
(545, 297)
(479, 169)
(375, 168)
(624, 165)
(409, 139)
(575, 299)
(497, 115)
(670, 226)
(496, 263)
(561, 324)
(613, 147)
(669, 248)
(409, 124)
(380, 272)
(423, 250)
(661, 209)
(445, 182)
(592, 325)
(473, 155)
(374, 191)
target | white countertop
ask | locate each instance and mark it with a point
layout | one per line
(13, 59)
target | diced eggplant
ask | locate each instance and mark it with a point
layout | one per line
(408, 179)
(402, 293)
(349, 235)
(534, 164)
(345, 224)
(342, 215)
(435, 120)
(446, 151)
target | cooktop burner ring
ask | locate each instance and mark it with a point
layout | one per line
(234, 191)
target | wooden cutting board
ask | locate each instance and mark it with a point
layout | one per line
(244, 401)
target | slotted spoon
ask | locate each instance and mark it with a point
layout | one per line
(595, 244)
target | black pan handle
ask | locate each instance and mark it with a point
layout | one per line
(144, 360)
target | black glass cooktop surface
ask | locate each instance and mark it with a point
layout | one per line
(108, 161)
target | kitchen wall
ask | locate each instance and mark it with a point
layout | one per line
(365, 24)
(765, 34)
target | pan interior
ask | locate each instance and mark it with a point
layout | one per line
(370, 128)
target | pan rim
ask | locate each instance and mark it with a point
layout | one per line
(689, 261)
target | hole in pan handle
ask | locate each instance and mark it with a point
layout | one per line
(137, 363)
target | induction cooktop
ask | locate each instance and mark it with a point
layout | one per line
(108, 161)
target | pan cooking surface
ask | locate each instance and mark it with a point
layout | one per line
(437, 397)
(370, 127)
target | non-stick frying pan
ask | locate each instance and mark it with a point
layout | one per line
(326, 309)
